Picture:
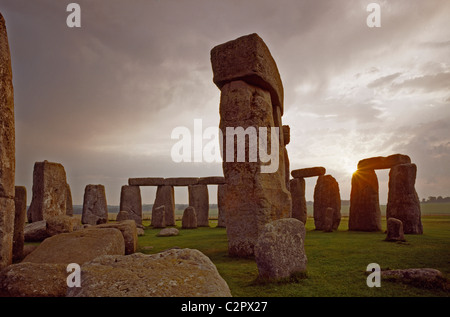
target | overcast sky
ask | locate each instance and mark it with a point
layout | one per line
(103, 99)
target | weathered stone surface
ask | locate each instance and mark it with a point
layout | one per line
(95, 209)
(222, 214)
(69, 203)
(168, 232)
(381, 162)
(33, 280)
(59, 224)
(199, 199)
(297, 189)
(20, 201)
(308, 172)
(180, 181)
(286, 134)
(122, 215)
(286, 169)
(172, 273)
(394, 230)
(36, 231)
(78, 246)
(140, 232)
(364, 213)
(131, 201)
(326, 194)
(7, 208)
(165, 197)
(248, 58)
(7, 150)
(49, 191)
(146, 181)
(211, 180)
(7, 129)
(280, 250)
(328, 220)
(251, 198)
(129, 233)
(422, 277)
(189, 220)
(403, 202)
(159, 217)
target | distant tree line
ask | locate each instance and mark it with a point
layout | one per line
(434, 199)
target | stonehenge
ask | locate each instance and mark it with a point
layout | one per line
(326, 195)
(198, 195)
(7, 150)
(251, 97)
(403, 202)
(263, 210)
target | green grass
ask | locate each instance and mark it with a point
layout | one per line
(336, 261)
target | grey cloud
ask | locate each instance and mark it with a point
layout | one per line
(383, 80)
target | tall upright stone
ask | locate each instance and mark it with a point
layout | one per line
(165, 197)
(20, 201)
(251, 98)
(364, 214)
(222, 213)
(69, 202)
(403, 202)
(297, 188)
(95, 208)
(326, 195)
(287, 140)
(199, 199)
(189, 220)
(131, 201)
(7, 150)
(49, 191)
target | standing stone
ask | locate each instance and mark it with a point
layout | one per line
(403, 202)
(199, 199)
(326, 194)
(328, 220)
(131, 201)
(287, 140)
(297, 188)
(122, 216)
(165, 197)
(394, 230)
(20, 200)
(251, 98)
(189, 220)
(280, 250)
(364, 214)
(159, 217)
(95, 209)
(221, 221)
(69, 203)
(7, 150)
(49, 191)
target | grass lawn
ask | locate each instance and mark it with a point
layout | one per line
(336, 261)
